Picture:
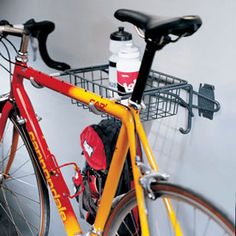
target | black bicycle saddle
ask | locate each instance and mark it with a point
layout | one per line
(154, 27)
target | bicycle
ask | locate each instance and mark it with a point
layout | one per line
(29, 211)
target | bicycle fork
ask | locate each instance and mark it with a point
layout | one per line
(6, 107)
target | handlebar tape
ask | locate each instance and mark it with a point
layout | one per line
(41, 30)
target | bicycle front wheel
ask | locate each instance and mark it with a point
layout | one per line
(24, 202)
(194, 215)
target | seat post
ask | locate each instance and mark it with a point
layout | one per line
(145, 67)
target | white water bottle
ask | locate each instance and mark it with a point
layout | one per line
(128, 65)
(117, 41)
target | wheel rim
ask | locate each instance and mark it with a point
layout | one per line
(22, 202)
(193, 217)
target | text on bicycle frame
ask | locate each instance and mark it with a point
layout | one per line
(56, 196)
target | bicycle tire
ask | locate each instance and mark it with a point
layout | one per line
(118, 221)
(24, 199)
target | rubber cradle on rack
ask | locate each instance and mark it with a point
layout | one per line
(206, 107)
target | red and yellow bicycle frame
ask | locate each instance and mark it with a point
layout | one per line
(130, 126)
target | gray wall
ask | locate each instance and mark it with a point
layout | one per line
(203, 159)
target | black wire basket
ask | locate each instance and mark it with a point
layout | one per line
(160, 96)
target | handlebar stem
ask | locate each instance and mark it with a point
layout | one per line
(22, 55)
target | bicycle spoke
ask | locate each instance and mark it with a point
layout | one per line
(23, 216)
(21, 181)
(134, 223)
(8, 216)
(20, 167)
(9, 213)
(127, 227)
(28, 205)
(7, 155)
(18, 177)
(194, 220)
(207, 226)
(19, 194)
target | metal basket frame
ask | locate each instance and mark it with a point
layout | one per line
(162, 94)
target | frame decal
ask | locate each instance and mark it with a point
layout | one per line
(57, 197)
